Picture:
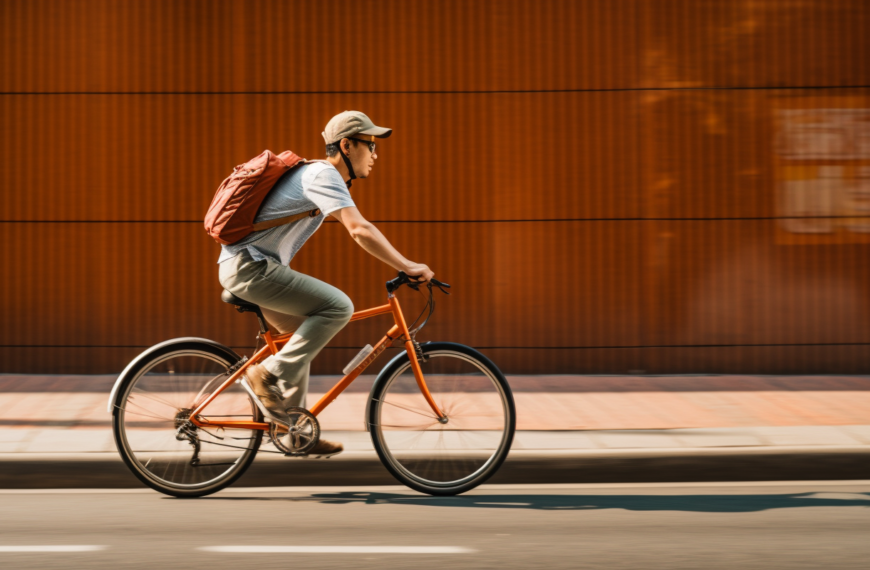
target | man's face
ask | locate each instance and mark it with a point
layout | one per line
(361, 157)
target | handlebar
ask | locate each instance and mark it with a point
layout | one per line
(405, 279)
(409, 280)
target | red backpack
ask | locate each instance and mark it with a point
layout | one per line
(236, 203)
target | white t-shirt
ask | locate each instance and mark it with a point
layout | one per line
(315, 185)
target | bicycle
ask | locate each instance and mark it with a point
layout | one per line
(441, 415)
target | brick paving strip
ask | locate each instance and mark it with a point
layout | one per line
(543, 402)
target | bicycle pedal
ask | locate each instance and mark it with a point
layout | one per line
(267, 415)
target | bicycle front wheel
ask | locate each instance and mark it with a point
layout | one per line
(150, 425)
(442, 457)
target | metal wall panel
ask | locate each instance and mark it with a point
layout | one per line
(451, 157)
(667, 186)
(726, 283)
(711, 154)
(313, 46)
(210, 45)
(752, 44)
(135, 284)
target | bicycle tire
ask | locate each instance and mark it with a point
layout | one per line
(193, 351)
(467, 381)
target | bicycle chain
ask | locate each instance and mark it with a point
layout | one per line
(232, 369)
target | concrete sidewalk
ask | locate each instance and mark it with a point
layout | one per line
(55, 432)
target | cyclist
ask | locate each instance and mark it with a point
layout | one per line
(256, 268)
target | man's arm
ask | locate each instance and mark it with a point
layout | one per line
(373, 241)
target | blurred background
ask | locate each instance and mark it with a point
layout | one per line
(655, 215)
(615, 187)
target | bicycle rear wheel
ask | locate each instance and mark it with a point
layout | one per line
(424, 453)
(165, 451)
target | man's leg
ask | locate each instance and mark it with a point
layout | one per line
(326, 308)
(283, 324)
(276, 288)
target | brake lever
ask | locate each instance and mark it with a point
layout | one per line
(439, 285)
(415, 285)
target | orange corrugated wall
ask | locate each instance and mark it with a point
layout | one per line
(597, 179)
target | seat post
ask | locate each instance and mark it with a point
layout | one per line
(243, 306)
(264, 328)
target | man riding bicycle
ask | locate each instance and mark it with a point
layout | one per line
(256, 268)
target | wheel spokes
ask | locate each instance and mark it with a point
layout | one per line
(157, 435)
(436, 453)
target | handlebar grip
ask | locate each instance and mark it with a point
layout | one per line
(405, 279)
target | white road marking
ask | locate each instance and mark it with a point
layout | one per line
(839, 496)
(53, 548)
(338, 549)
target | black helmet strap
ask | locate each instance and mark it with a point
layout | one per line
(348, 164)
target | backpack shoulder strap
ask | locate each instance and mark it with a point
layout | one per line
(268, 224)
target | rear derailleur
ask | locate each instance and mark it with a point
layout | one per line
(186, 430)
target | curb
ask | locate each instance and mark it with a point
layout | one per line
(360, 468)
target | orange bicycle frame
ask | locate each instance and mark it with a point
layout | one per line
(274, 344)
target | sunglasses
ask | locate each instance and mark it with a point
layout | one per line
(371, 144)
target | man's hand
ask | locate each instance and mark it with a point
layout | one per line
(414, 270)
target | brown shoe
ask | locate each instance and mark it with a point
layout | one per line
(326, 448)
(263, 385)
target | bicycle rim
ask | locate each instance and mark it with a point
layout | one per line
(158, 400)
(436, 457)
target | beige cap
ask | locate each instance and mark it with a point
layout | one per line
(352, 123)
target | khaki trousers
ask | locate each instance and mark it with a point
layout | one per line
(290, 301)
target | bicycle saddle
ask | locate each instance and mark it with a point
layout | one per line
(243, 305)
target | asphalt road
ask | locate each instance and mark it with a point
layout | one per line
(672, 526)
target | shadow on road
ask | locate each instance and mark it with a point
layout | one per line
(689, 503)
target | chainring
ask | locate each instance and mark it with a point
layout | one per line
(303, 434)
